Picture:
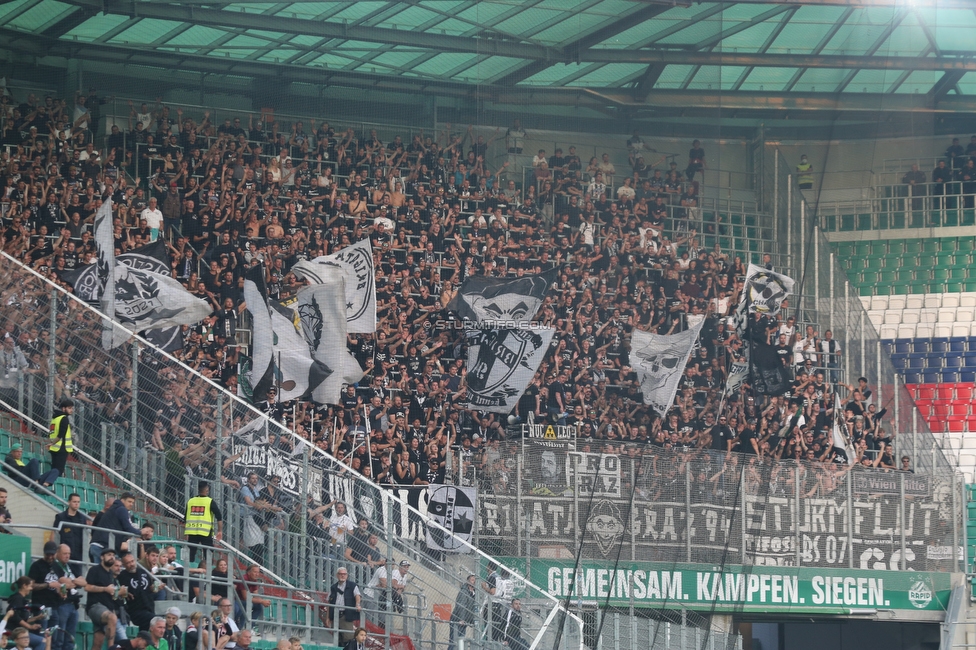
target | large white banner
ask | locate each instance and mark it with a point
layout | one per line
(356, 262)
(659, 362)
(322, 312)
(766, 290)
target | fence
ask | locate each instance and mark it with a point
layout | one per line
(165, 427)
(635, 502)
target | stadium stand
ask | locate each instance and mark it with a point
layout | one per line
(658, 257)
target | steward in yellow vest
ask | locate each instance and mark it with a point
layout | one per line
(202, 520)
(59, 438)
(804, 174)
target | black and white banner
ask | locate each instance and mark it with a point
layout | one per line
(322, 313)
(145, 300)
(357, 266)
(501, 363)
(766, 290)
(659, 362)
(453, 508)
(259, 377)
(151, 257)
(112, 335)
(505, 302)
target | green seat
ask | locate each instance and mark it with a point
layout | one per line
(845, 248)
(926, 260)
(913, 246)
(965, 244)
(958, 273)
(898, 288)
(970, 285)
(906, 274)
(869, 277)
(886, 277)
(896, 247)
(940, 273)
(918, 287)
(936, 287)
(953, 286)
(931, 245)
(945, 259)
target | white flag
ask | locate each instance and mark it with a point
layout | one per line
(322, 309)
(765, 290)
(501, 363)
(113, 335)
(147, 300)
(453, 508)
(659, 362)
(356, 262)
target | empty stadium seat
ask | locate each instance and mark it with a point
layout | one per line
(967, 300)
(932, 302)
(961, 329)
(931, 377)
(924, 331)
(888, 331)
(912, 377)
(903, 347)
(953, 361)
(959, 408)
(967, 376)
(957, 344)
(896, 302)
(926, 392)
(964, 393)
(956, 425)
(938, 345)
(907, 331)
(943, 330)
(913, 302)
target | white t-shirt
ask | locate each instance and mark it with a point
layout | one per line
(154, 218)
(374, 582)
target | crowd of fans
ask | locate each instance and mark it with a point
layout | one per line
(255, 192)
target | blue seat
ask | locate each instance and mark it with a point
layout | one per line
(903, 347)
(929, 378)
(912, 377)
(970, 359)
(957, 344)
(967, 377)
(920, 346)
(939, 345)
(948, 376)
(953, 361)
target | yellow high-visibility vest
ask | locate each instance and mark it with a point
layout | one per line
(56, 437)
(804, 178)
(199, 516)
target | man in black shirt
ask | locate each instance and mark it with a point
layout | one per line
(722, 435)
(102, 607)
(70, 533)
(141, 604)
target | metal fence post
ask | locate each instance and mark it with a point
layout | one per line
(796, 511)
(51, 353)
(742, 514)
(901, 507)
(134, 408)
(850, 520)
(688, 509)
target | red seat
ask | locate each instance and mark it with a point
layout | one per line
(964, 392)
(959, 408)
(945, 391)
(925, 391)
(936, 425)
(956, 426)
(971, 423)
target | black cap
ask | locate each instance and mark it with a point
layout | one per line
(66, 402)
(50, 548)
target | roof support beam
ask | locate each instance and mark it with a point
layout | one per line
(946, 83)
(934, 4)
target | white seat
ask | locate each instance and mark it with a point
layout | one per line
(877, 317)
(914, 302)
(896, 302)
(924, 331)
(879, 302)
(965, 314)
(910, 316)
(967, 460)
(943, 330)
(947, 315)
(961, 329)
(967, 300)
(928, 315)
(951, 300)
(892, 317)
(889, 332)
(932, 301)
(969, 442)
(907, 331)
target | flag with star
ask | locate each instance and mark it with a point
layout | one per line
(356, 263)
(452, 508)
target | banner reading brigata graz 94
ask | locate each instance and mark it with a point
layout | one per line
(746, 589)
(710, 509)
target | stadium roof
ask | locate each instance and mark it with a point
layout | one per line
(786, 55)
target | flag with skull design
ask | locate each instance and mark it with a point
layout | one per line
(659, 362)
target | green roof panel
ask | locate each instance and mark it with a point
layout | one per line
(95, 27)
